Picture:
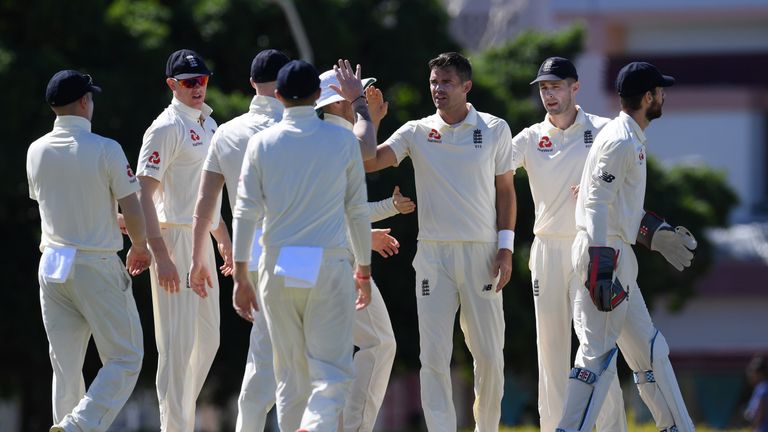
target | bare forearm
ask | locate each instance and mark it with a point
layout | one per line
(134, 219)
(506, 204)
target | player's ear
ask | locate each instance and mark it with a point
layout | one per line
(467, 86)
(171, 83)
(575, 87)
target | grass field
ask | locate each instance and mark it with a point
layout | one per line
(632, 428)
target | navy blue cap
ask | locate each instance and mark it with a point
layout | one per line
(297, 79)
(267, 64)
(185, 63)
(67, 86)
(556, 69)
(639, 77)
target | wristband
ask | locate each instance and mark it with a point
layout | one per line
(506, 240)
(362, 277)
(359, 97)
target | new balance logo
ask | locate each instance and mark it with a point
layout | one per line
(425, 287)
(487, 288)
(477, 138)
(606, 177)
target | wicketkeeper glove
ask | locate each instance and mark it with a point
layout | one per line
(604, 289)
(675, 244)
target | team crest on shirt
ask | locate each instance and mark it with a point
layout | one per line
(425, 287)
(641, 157)
(477, 138)
(545, 144)
(434, 136)
(588, 138)
(195, 138)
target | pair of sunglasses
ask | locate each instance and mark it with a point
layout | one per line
(193, 82)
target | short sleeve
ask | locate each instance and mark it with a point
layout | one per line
(157, 150)
(520, 143)
(122, 180)
(503, 160)
(400, 141)
(212, 162)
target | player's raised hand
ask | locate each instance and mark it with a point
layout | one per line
(244, 298)
(377, 106)
(350, 85)
(502, 267)
(383, 243)
(138, 259)
(200, 278)
(402, 204)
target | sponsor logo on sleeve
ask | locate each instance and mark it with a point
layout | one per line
(604, 176)
(545, 144)
(153, 161)
(434, 136)
(130, 174)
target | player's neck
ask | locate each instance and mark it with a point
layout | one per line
(454, 115)
(564, 120)
(639, 117)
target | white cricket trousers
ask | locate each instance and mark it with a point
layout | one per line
(186, 334)
(96, 300)
(373, 361)
(311, 332)
(449, 274)
(257, 393)
(629, 326)
(553, 295)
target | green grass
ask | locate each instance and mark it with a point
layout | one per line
(632, 428)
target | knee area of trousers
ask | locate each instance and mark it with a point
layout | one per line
(388, 347)
(659, 349)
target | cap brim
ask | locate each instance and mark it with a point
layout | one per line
(191, 75)
(548, 77)
(95, 89)
(367, 82)
(328, 100)
(667, 81)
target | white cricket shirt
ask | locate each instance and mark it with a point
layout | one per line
(77, 177)
(379, 210)
(172, 152)
(228, 144)
(612, 191)
(554, 159)
(305, 177)
(455, 168)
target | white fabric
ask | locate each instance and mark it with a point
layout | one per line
(554, 159)
(228, 144)
(172, 152)
(311, 333)
(71, 170)
(299, 265)
(56, 263)
(374, 337)
(253, 264)
(449, 274)
(186, 334)
(329, 95)
(629, 325)
(455, 168)
(553, 295)
(97, 301)
(616, 162)
(309, 207)
(506, 240)
(257, 393)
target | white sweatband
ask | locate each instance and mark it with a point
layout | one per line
(506, 240)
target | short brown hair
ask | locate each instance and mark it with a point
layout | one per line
(455, 60)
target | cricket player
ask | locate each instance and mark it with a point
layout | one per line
(553, 154)
(222, 166)
(84, 288)
(373, 333)
(170, 164)
(609, 304)
(305, 272)
(462, 161)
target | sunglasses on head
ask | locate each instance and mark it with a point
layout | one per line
(201, 80)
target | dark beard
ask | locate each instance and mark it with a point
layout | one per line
(654, 111)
